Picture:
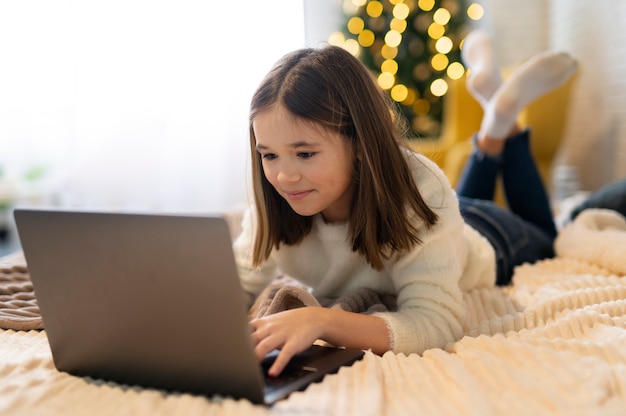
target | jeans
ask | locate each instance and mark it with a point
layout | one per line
(526, 231)
(611, 196)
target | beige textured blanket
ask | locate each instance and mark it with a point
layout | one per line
(18, 306)
(552, 343)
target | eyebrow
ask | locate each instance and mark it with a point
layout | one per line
(294, 145)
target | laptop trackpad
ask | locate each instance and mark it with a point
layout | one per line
(309, 366)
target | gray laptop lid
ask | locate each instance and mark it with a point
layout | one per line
(152, 300)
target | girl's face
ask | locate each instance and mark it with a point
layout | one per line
(308, 165)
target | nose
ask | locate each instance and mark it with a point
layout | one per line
(287, 173)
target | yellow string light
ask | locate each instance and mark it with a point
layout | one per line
(355, 25)
(444, 45)
(399, 92)
(352, 46)
(384, 51)
(426, 5)
(442, 16)
(388, 52)
(435, 30)
(475, 11)
(389, 65)
(401, 11)
(374, 9)
(455, 70)
(393, 38)
(336, 39)
(411, 96)
(366, 38)
(439, 62)
(386, 80)
(398, 25)
(439, 87)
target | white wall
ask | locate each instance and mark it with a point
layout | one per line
(321, 18)
(596, 135)
(137, 104)
(592, 31)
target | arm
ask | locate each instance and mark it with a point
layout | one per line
(295, 330)
(430, 308)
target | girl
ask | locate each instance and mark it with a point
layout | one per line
(341, 203)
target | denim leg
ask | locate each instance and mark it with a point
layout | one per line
(514, 240)
(478, 178)
(523, 187)
(612, 196)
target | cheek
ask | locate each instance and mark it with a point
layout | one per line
(268, 173)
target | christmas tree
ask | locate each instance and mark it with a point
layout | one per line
(413, 47)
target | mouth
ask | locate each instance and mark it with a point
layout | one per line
(297, 195)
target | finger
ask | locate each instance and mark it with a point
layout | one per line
(258, 332)
(283, 358)
(254, 324)
(267, 345)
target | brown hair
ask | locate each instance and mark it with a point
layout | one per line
(332, 88)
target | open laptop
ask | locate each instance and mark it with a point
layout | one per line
(153, 300)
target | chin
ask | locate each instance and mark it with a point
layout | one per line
(304, 212)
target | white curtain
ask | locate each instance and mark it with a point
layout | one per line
(136, 104)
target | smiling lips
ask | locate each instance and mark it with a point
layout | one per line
(296, 196)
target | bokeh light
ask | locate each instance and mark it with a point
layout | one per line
(444, 45)
(389, 52)
(426, 5)
(389, 65)
(455, 70)
(401, 11)
(399, 92)
(475, 11)
(386, 80)
(355, 25)
(435, 30)
(439, 87)
(366, 38)
(393, 38)
(439, 62)
(441, 16)
(414, 48)
(374, 8)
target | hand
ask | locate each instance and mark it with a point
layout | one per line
(294, 330)
(291, 331)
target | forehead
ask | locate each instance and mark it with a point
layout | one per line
(278, 123)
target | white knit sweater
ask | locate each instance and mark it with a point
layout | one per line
(428, 280)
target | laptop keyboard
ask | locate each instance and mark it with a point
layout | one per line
(288, 376)
(295, 370)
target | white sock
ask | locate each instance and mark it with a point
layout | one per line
(537, 76)
(484, 76)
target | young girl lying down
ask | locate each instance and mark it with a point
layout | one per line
(340, 202)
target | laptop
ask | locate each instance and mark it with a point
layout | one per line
(153, 300)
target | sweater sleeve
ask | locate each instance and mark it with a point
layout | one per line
(253, 280)
(430, 303)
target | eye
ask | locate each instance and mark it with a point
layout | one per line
(268, 156)
(306, 155)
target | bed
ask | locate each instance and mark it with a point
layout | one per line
(554, 342)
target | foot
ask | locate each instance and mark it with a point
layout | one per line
(536, 77)
(494, 146)
(484, 77)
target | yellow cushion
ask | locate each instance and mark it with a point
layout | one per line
(461, 119)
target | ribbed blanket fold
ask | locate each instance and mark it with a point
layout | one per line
(552, 343)
(18, 306)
